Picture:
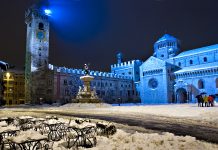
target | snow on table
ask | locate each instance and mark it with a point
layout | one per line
(25, 136)
(8, 129)
(3, 124)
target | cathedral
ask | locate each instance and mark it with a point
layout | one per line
(172, 77)
(166, 77)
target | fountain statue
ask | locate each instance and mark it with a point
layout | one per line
(85, 93)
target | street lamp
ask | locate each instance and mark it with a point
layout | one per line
(48, 12)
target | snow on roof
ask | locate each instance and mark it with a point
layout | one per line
(198, 50)
(166, 37)
(198, 67)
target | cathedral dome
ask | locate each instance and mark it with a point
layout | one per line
(167, 46)
(167, 37)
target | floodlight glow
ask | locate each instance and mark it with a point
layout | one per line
(48, 12)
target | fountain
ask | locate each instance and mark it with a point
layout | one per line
(85, 93)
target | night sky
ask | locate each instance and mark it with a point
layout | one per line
(93, 31)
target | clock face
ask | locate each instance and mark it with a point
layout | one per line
(40, 35)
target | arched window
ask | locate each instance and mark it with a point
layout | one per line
(216, 82)
(201, 84)
(191, 62)
(41, 26)
(205, 59)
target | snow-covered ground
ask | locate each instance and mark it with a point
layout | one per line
(186, 111)
(134, 140)
(141, 141)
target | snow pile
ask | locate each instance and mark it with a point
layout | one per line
(144, 141)
(86, 105)
(141, 141)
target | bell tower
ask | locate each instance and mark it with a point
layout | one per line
(37, 52)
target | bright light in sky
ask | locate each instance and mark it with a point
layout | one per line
(48, 12)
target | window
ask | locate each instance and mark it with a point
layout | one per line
(65, 82)
(41, 26)
(200, 84)
(205, 59)
(179, 64)
(49, 82)
(162, 55)
(191, 62)
(216, 82)
(130, 72)
(128, 92)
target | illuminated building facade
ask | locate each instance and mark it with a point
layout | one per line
(3, 67)
(169, 77)
(14, 87)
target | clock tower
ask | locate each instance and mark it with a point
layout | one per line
(37, 52)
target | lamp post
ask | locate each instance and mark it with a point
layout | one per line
(7, 87)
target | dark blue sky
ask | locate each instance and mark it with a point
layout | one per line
(92, 31)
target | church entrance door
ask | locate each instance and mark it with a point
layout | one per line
(181, 95)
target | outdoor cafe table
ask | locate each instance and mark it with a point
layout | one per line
(26, 118)
(55, 129)
(7, 119)
(81, 136)
(6, 132)
(27, 140)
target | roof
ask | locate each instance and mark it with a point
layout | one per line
(198, 50)
(198, 67)
(3, 65)
(166, 37)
